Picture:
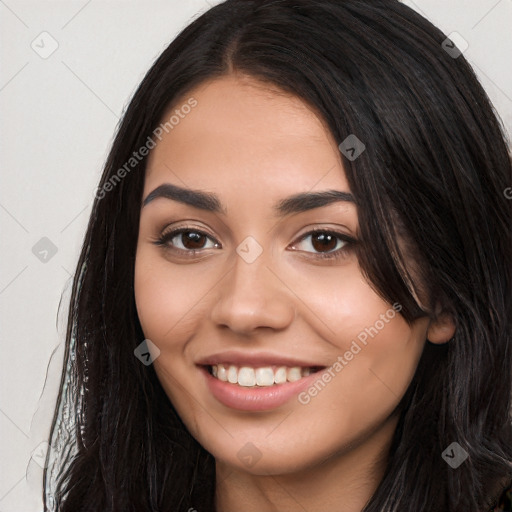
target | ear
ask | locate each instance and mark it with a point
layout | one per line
(441, 329)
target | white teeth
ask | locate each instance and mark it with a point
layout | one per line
(246, 376)
(280, 375)
(293, 374)
(264, 376)
(232, 375)
(222, 374)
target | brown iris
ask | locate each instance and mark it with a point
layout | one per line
(193, 240)
(323, 242)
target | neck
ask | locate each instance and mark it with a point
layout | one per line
(342, 483)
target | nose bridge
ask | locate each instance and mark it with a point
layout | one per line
(250, 295)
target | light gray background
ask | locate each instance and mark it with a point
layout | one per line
(58, 117)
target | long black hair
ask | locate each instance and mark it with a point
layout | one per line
(434, 174)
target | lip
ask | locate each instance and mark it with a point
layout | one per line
(255, 360)
(255, 398)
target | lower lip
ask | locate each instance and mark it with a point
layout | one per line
(256, 398)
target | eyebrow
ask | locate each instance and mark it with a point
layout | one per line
(208, 201)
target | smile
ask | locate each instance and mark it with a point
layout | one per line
(256, 392)
(265, 376)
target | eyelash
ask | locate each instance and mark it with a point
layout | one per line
(164, 241)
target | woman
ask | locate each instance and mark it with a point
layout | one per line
(295, 288)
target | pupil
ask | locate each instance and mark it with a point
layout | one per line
(324, 242)
(192, 240)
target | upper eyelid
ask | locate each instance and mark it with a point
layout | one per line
(177, 231)
(340, 236)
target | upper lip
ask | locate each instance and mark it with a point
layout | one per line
(254, 360)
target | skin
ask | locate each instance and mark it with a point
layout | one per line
(253, 146)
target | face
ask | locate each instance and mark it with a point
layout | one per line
(240, 275)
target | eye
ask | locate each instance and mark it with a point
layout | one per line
(324, 243)
(321, 243)
(187, 240)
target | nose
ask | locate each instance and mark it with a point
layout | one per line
(252, 296)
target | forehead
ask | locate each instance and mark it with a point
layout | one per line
(247, 135)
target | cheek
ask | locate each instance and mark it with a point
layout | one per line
(342, 304)
(373, 369)
(169, 310)
(377, 349)
(168, 297)
(379, 359)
